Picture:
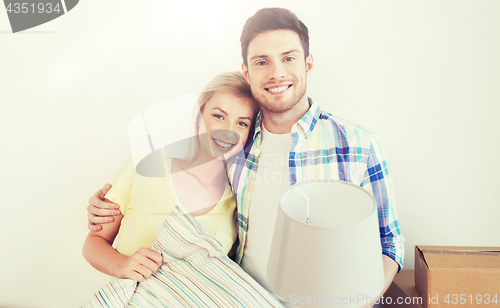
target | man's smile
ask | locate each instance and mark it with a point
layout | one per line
(278, 89)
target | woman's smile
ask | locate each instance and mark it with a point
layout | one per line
(223, 146)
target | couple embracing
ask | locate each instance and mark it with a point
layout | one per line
(221, 198)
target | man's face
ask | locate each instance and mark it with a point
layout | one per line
(277, 71)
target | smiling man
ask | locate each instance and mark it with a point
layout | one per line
(296, 141)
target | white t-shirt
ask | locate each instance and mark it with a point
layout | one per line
(272, 179)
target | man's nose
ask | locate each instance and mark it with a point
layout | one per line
(277, 71)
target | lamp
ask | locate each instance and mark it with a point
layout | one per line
(326, 246)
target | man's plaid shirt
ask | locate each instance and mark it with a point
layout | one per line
(325, 147)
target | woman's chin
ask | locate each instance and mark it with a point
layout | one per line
(218, 154)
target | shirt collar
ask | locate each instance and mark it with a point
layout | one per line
(306, 123)
(258, 129)
(308, 120)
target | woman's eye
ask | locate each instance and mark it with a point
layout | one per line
(218, 116)
(243, 124)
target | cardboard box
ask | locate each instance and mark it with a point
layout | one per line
(452, 276)
(402, 292)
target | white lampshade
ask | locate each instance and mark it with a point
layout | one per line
(336, 259)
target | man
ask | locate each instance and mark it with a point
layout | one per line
(294, 141)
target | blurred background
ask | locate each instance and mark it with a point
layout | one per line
(422, 75)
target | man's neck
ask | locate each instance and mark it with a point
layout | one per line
(281, 123)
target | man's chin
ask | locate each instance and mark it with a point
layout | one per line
(278, 105)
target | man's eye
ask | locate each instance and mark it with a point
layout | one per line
(261, 63)
(288, 59)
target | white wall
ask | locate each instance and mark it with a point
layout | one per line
(423, 75)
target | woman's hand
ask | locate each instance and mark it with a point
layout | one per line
(139, 266)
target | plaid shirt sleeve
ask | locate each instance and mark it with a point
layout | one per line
(350, 153)
(377, 179)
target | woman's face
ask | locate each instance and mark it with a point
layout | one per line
(227, 118)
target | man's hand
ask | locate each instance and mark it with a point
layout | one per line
(139, 266)
(101, 211)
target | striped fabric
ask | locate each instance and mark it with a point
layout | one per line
(325, 147)
(195, 273)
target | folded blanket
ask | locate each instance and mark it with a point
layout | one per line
(195, 273)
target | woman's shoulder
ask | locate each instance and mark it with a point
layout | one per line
(145, 169)
(127, 169)
(146, 191)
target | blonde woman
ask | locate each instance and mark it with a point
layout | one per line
(175, 231)
(227, 109)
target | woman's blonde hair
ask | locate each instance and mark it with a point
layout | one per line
(231, 82)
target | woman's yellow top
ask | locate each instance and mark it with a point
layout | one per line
(145, 203)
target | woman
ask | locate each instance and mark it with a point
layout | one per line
(227, 110)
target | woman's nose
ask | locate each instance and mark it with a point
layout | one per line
(229, 135)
